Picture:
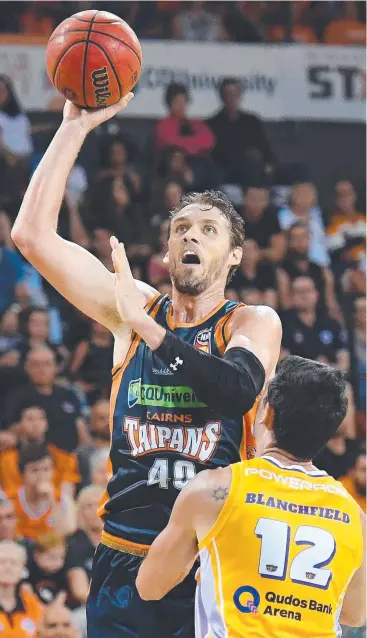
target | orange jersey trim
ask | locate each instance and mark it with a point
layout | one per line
(172, 325)
(122, 545)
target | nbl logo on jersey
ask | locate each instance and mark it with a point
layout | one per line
(202, 340)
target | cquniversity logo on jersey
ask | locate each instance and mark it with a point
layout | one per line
(162, 396)
(247, 599)
(134, 392)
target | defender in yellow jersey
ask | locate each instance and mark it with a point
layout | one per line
(280, 542)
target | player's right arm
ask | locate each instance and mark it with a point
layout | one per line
(353, 611)
(73, 271)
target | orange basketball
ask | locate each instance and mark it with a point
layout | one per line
(93, 58)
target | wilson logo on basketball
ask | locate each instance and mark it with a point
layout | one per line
(101, 82)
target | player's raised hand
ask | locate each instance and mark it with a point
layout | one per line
(130, 302)
(89, 119)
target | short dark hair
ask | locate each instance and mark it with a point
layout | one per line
(173, 89)
(310, 401)
(223, 203)
(227, 82)
(31, 453)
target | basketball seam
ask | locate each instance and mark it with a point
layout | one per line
(111, 65)
(63, 55)
(96, 21)
(108, 35)
(85, 59)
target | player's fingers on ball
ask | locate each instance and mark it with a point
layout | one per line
(113, 242)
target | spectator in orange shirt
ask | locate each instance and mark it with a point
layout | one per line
(20, 611)
(7, 518)
(32, 428)
(355, 481)
(348, 30)
(38, 506)
(346, 233)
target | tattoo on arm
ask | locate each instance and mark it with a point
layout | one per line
(220, 493)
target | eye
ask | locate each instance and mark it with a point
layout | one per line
(210, 229)
(181, 228)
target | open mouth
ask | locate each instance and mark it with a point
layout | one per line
(189, 257)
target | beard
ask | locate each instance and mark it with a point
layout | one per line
(187, 282)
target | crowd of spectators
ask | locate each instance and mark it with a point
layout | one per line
(338, 23)
(306, 262)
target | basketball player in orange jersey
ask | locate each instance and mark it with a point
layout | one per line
(281, 543)
(186, 382)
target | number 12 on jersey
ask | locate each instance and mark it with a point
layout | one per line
(307, 567)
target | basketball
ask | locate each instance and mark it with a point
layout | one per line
(93, 58)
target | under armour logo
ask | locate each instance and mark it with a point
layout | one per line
(178, 362)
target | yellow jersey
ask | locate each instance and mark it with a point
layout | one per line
(280, 556)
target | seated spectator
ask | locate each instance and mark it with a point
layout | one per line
(101, 436)
(174, 168)
(309, 334)
(92, 362)
(34, 323)
(102, 246)
(32, 428)
(115, 163)
(166, 201)
(8, 519)
(261, 224)
(11, 274)
(241, 144)
(40, 508)
(82, 545)
(98, 467)
(47, 573)
(300, 31)
(192, 136)
(35, 20)
(298, 264)
(355, 481)
(9, 337)
(257, 274)
(346, 233)
(20, 610)
(57, 621)
(303, 207)
(14, 124)
(242, 25)
(66, 428)
(339, 455)
(109, 204)
(348, 30)
(157, 268)
(196, 24)
(359, 342)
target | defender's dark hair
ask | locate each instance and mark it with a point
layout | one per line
(173, 89)
(31, 453)
(309, 400)
(219, 200)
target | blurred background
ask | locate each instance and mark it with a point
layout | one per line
(263, 100)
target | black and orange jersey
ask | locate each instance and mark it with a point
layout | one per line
(65, 469)
(162, 435)
(25, 618)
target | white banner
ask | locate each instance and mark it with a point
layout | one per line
(281, 82)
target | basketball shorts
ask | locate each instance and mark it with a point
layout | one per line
(115, 609)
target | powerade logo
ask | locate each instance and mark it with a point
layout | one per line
(247, 599)
(162, 396)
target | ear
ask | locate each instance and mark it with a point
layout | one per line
(236, 256)
(165, 258)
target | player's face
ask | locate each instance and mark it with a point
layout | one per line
(199, 251)
(34, 423)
